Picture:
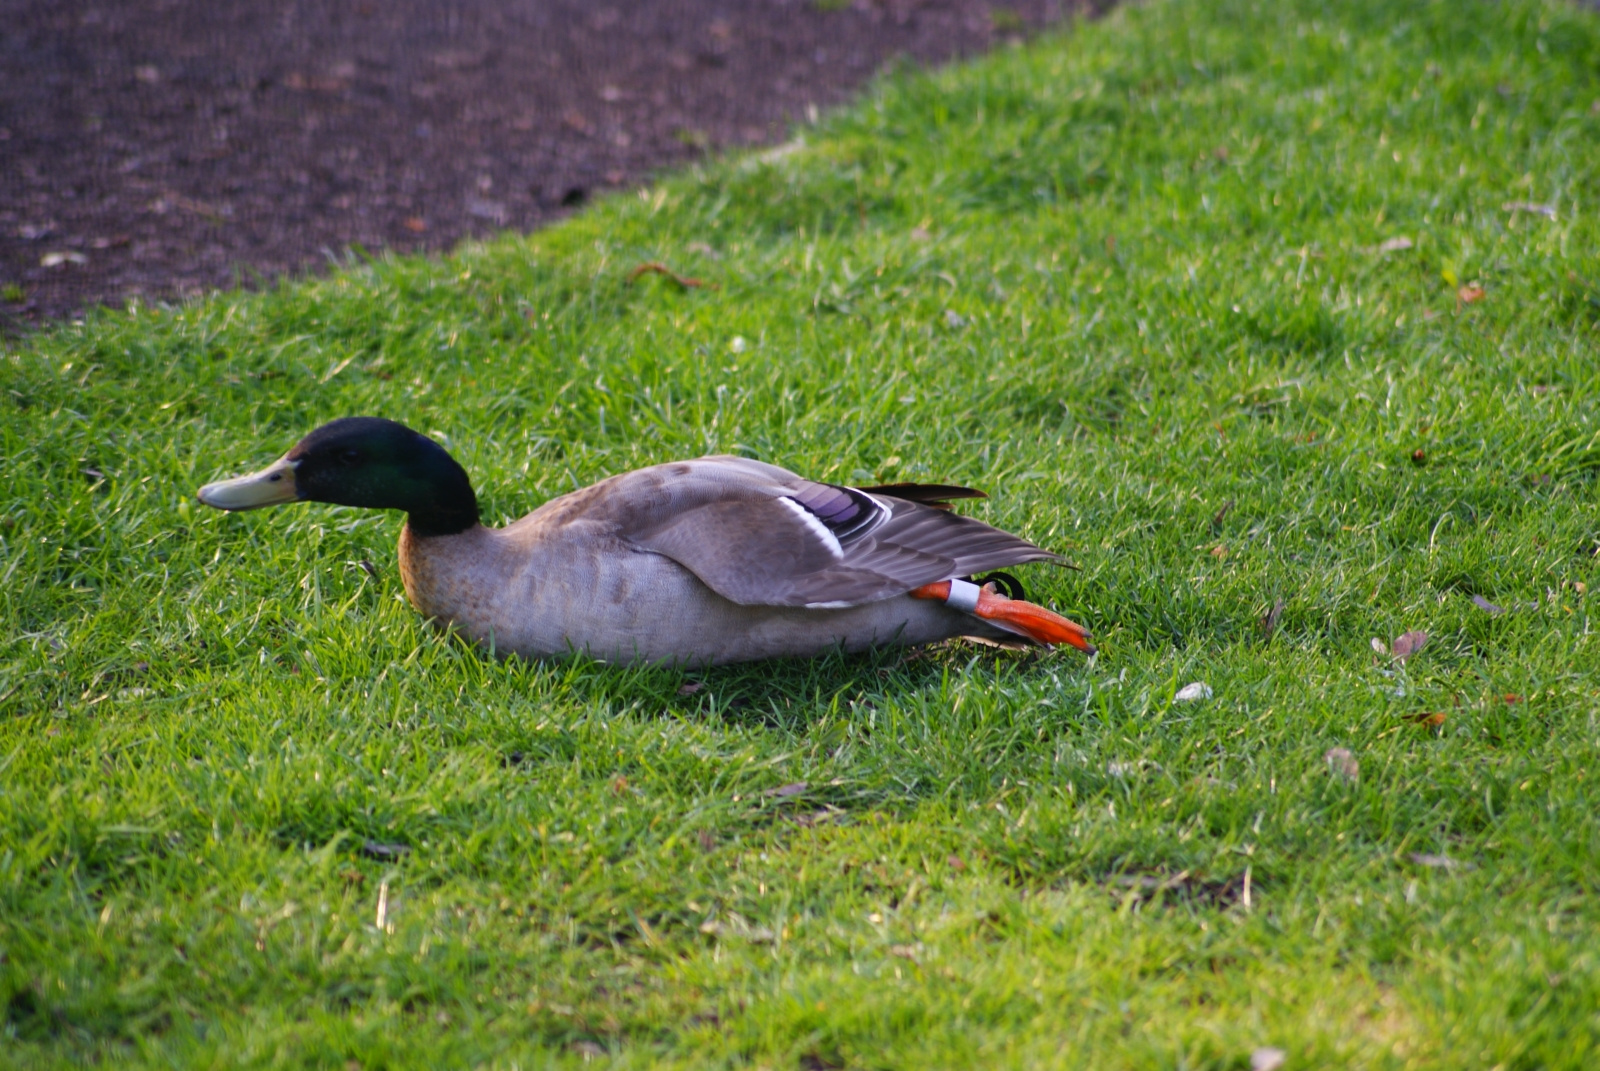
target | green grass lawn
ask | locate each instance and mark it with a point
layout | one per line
(1145, 282)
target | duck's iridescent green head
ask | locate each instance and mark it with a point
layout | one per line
(361, 461)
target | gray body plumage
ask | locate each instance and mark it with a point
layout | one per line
(716, 560)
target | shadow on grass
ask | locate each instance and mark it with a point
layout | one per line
(787, 694)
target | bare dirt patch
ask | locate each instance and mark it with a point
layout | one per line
(158, 148)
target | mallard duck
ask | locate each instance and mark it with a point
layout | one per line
(719, 559)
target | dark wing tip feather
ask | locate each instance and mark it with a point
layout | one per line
(937, 495)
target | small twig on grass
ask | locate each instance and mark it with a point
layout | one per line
(655, 267)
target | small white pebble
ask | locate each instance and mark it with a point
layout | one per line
(1191, 692)
(1267, 1058)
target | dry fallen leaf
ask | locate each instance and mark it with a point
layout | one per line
(1428, 720)
(655, 267)
(1419, 456)
(1269, 623)
(416, 224)
(1379, 646)
(1221, 515)
(1342, 764)
(691, 688)
(1190, 693)
(1486, 606)
(1470, 293)
(1409, 643)
(815, 818)
(1392, 245)
(1219, 551)
(783, 791)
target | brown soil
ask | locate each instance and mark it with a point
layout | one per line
(162, 147)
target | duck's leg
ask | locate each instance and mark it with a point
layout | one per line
(1013, 615)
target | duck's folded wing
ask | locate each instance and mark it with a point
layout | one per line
(759, 535)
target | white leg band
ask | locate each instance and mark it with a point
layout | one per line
(963, 596)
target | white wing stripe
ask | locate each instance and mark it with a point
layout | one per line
(880, 518)
(815, 526)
